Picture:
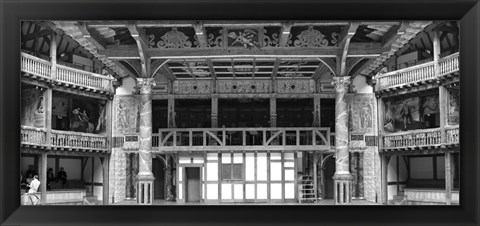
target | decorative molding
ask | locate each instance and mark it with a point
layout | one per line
(295, 86)
(270, 39)
(192, 87)
(243, 86)
(326, 88)
(341, 83)
(215, 38)
(248, 38)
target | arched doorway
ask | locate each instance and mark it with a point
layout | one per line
(328, 172)
(158, 169)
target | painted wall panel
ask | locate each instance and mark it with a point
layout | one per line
(276, 191)
(250, 191)
(249, 167)
(262, 166)
(261, 191)
(212, 171)
(212, 191)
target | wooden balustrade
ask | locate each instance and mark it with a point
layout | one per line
(418, 73)
(449, 64)
(415, 138)
(72, 76)
(62, 139)
(405, 76)
(452, 135)
(83, 78)
(266, 137)
(33, 136)
(78, 140)
(35, 66)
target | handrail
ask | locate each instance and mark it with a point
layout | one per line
(63, 139)
(43, 68)
(418, 73)
(413, 138)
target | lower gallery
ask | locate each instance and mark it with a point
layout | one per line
(265, 112)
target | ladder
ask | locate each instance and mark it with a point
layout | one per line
(307, 191)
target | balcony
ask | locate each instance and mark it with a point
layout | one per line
(421, 139)
(238, 139)
(418, 75)
(63, 140)
(41, 70)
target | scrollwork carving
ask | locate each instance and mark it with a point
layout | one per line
(270, 41)
(174, 39)
(314, 38)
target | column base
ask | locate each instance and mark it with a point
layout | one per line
(342, 193)
(145, 189)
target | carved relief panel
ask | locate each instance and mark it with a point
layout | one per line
(126, 115)
(453, 106)
(295, 86)
(243, 86)
(192, 87)
(361, 113)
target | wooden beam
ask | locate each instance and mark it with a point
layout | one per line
(133, 74)
(200, 33)
(131, 52)
(212, 69)
(285, 33)
(393, 34)
(344, 46)
(37, 34)
(136, 65)
(142, 47)
(92, 36)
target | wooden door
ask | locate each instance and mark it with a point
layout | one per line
(329, 172)
(193, 184)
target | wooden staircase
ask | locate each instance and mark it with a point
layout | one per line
(307, 191)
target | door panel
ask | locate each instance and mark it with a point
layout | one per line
(193, 184)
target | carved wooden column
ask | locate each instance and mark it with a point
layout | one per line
(171, 124)
(384, 165)
(214, 115)
(316, 111)
(342, 177)
(48, 93)
(273, 112)
(145, 176)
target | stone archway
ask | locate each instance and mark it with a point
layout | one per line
(324, 179)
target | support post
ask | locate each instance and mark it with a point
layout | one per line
(145, 176)
(449, 174)
(384, 189)
(171, 112)
(105, 168)
(48, 93)
(316, 111)
(342, 177)
(443, 110)
(43, 178)
(214, 115)
(273, 112)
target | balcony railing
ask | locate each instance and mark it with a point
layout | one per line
(453, 136)
(266, 138)
(36, 66)
(71, 76)
(418, 73)
(415, 138)
(62, 139)
(33, 136)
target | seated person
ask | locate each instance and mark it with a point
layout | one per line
(62, 176)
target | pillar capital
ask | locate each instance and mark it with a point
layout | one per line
(341, 84)
(145, 85)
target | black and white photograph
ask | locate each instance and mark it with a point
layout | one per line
(239, 112)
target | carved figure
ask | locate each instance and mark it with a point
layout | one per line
(366, 117)
(245, 38)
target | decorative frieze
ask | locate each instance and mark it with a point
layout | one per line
(192, 87)
(243, 86)
(295, 86)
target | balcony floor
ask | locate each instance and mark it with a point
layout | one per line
(326, 202)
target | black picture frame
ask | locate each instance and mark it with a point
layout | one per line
(467, 11)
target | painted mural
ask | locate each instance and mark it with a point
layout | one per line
(410, 113)
(87, 117)
(32, 112)
(126, 113)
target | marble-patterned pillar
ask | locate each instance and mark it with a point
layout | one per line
(214, 115)
(342, 178)
(145, 176)
(273, 112)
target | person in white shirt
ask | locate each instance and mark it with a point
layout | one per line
(34, 185)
